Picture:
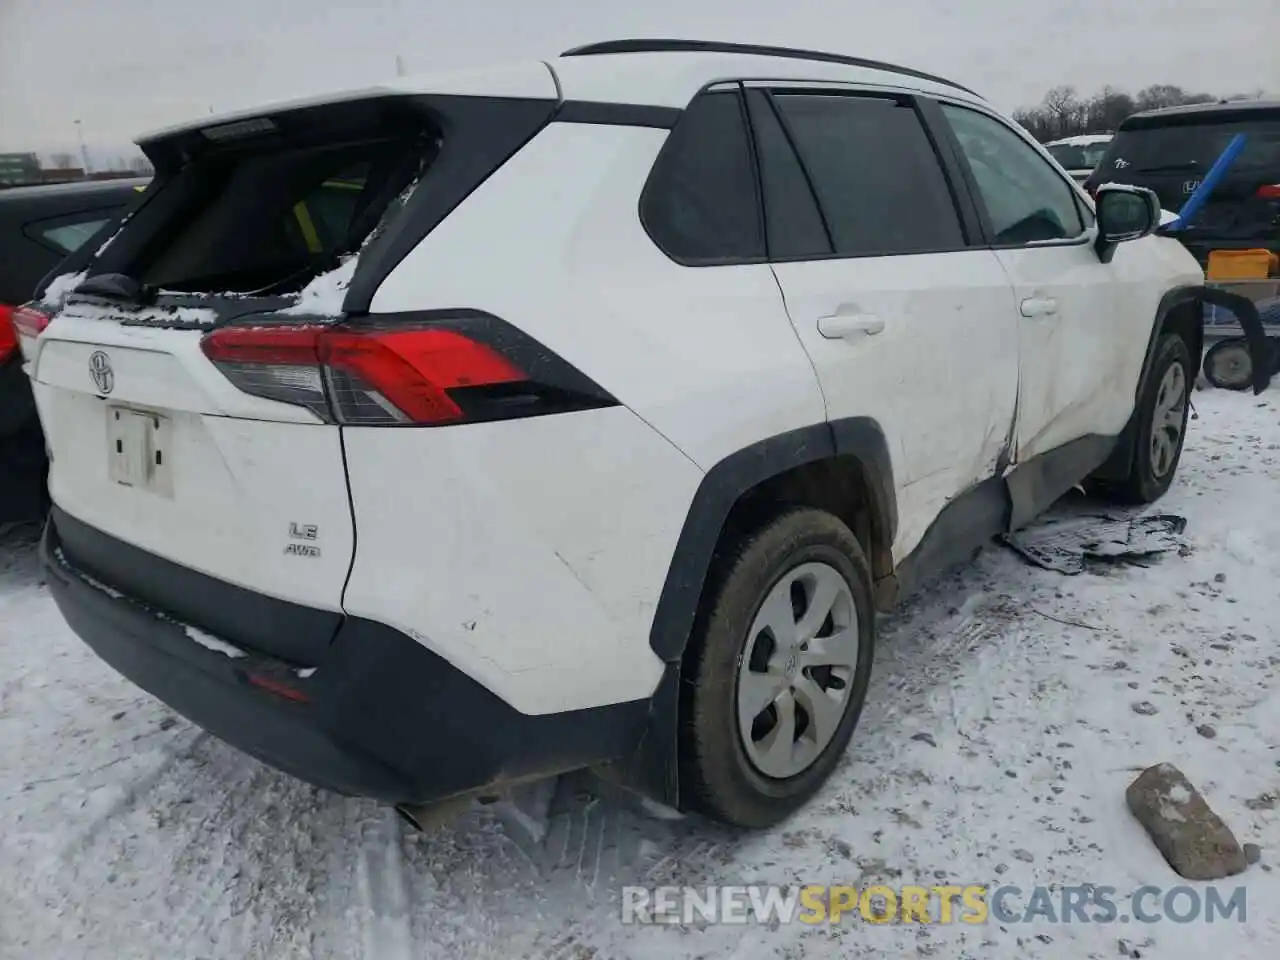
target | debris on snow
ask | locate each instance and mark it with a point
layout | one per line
(1134, 951)
(1145, 708)
(1190, 836)
(1252, 853)
(1065, 544)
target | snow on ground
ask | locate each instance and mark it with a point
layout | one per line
(127, 833)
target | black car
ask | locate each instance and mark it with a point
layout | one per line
(1171, 150)
(39, 226)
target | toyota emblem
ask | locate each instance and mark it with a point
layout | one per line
(104, 378)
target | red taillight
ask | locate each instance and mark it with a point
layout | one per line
(8, 335)
(1268, 191)
(18, 324)
(29, 322)
(414, 370)
(354, 376)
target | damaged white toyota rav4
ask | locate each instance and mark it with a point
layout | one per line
(427, 439)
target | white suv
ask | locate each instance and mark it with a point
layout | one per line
(430, 438)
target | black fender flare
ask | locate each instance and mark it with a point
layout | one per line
(1172, 299)
(1255, 334)
(1246, 313)
(1121, 460)
(726, 482)
(652, 769)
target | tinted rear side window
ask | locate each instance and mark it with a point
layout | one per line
(67, 234)
(792, 220)
(700, 205)
(877, 176)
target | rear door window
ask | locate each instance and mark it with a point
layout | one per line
(700, 204)
(1026, 199)
(793, 222)
(878, 179)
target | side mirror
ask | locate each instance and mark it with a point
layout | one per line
(1124, 213)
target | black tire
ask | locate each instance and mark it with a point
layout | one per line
(717, 777)
(1228, 366)
(1144, 484)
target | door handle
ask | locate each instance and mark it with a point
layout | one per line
(840, 326)
(1039, 307)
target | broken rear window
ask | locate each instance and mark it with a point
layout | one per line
(268, 221)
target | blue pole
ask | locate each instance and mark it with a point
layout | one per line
(1210, 181)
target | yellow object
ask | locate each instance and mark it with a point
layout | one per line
(308, 228)
(1241, 264)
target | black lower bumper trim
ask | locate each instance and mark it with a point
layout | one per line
(381, 715)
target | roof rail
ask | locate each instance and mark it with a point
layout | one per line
(715, 46)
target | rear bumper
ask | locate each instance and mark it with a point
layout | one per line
(377, 715)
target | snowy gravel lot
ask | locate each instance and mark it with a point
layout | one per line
(127, 833)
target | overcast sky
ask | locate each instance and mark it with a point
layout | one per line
(125, 66)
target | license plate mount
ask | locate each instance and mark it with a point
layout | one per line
(139, 450)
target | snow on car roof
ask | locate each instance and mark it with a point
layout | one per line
(1081, 140)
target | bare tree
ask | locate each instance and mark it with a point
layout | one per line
(63, 161)
(1161, 95)
(1106, 109)
(1036, 121)
(141, 165)
(1063, 114)
(1063, 108)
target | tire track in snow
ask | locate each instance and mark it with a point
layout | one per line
(384, 899)
(134, 791)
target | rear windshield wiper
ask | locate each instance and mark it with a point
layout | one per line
(116, 286)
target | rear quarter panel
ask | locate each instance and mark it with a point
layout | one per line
(561, 530)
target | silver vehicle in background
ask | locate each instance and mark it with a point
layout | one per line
(1080, 154)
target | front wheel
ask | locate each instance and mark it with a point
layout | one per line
(1161, 420)
(778, 670)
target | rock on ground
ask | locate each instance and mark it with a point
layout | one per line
(1195, 841)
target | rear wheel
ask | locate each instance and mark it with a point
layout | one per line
(778, 670)
(1161, 419)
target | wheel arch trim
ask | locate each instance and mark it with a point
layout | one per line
(736, 475)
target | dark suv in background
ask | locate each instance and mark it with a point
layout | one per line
(1170, 151)
(39, 226)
